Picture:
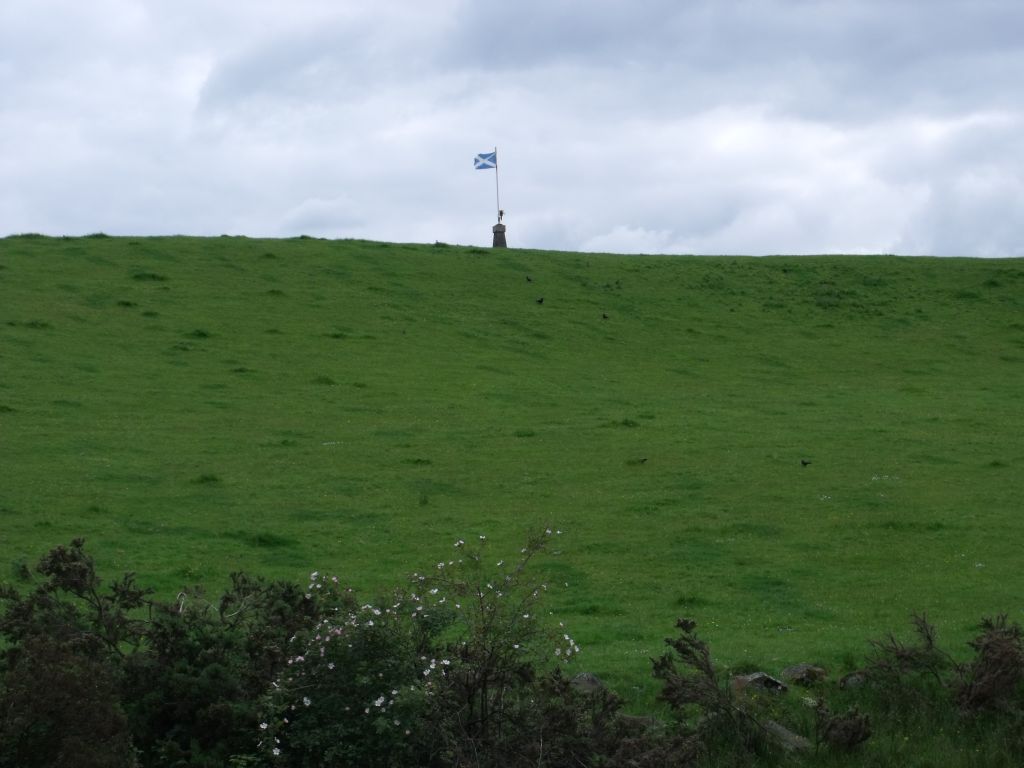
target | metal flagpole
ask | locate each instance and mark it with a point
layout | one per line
(497, 196)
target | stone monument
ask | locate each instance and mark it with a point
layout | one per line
(499, 232)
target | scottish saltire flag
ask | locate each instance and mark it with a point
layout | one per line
(485, 161)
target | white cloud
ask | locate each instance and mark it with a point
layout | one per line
(762, 127)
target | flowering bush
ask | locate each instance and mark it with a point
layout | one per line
(351, 691)
(443, 671)
(497, 645)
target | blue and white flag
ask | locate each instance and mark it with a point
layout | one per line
(485, 161)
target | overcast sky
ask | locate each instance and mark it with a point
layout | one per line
(644, 126)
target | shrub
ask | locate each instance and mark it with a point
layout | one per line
(451, 671)
(350, 690)
(61, 706)
(992, 680)
(496, 646)
(193, 691)
(64, 642)
(458, 668)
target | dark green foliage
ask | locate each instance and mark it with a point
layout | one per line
(194, 689)
(71, 605)
(181, 682)
(61, 707)
(992, 679)
(63, 646)
(350, 690)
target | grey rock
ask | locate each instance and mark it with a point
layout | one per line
(854, 679)
(588, 682)
(804, 674)
(757, 681)
(785, 738)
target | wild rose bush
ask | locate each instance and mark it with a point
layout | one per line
(351, 691)
(444, 669)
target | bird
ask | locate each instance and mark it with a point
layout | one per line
(805, 462)
(529, 279)
(604, 315)
(540, 300)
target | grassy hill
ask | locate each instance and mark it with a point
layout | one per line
(196, 406)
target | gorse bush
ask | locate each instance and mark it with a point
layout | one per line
(194, 687)
(63, 648)
(62, 706)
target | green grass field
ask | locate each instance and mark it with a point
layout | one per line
(197, 406)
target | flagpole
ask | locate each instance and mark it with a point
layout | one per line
(497, 195)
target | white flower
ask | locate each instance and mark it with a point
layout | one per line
(306, 701)
(379, 702)
(263, 726)
(276, 751)
(483, 538)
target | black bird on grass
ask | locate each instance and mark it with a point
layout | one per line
(540, 300)
(604, 315)
(529, 279)
(805, 463)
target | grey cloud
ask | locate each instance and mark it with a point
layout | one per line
(290, 70)
(857, 56)
(758, 126)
